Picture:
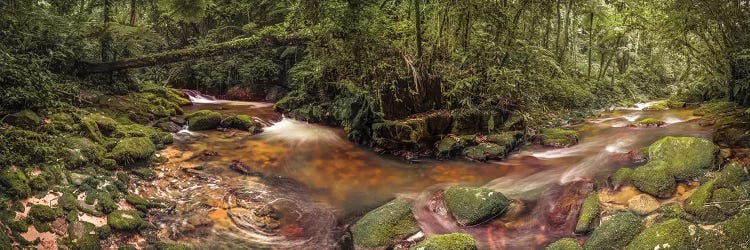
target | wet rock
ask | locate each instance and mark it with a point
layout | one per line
(125, 220)
(169, 126)
(686, 157)
(557, 137)
(203, 120)
(671, 234)
(267, 217)
(25, 119)
(130, 150)
(648, 122)
(589, 213)
(474, 205)
(515, 209)
(178, 120)
(565, 244)
(616, 232)
(384, 225)
(241, 122)
(243, 168)
(450, 146)
(563, 205)
(454, 241)
(206, 155)
(643, 204)
(654, 178)
(484, 151)
(705, 123)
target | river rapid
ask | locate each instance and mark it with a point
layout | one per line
(299, 186)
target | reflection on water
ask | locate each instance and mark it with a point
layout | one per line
(315, 180)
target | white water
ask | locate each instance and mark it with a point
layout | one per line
(197, 97)
(299, 132)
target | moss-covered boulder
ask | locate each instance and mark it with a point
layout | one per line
(732, 175)
(565, 244)
(82, 151)
(616, 232)
(727, 200)
(696, 204)
(557, 137)
(204, 120)
(385, 225)
(454, 241)
(687, 157)
(241, 122)
(659, 106)
(671, 234)
(42, 213)
(125, 220)
(25, 119)
(15, 183)
(737, 231)
(508, 139)
(622, 177)
(474, 205)
(160, 139)
(648, 122)
(484, 151)
(105, 124)
(589, 213)
(130, 150)
(654, 178)
(450, 146)
(673, 104)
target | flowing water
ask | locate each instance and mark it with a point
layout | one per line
(300, 185)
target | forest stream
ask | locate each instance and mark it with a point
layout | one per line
(298, 185)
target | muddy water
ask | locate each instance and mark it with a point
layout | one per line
(314, 181)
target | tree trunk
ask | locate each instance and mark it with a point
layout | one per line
(557, 38)
(567, 31)
(107, 38)
(591, 41)
(418, 25)
(132, 12)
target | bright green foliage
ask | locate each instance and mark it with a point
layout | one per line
(616, 232)
(130, 150)
(454, 241)
(674, 233)
(241, 122)
(203, 120)
(589, 213)
(125, 220)
(558, 137)
(654, 178)
(687, 157)
(474, 205)
(622, 176)
(565, 244)
(385, 225)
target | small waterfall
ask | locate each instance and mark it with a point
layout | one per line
(197, 97)
(299, 132)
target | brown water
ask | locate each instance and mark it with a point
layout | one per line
(317, 182)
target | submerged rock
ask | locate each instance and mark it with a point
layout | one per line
(385, 225)
(686, 157)
(616, 232)
(648, 122)
(671, 234)
(589, 213)
(557, 137)
(655, 179)
(474, 205)
(203, 120)
(565, 244)
(643, 204)
(454, 241)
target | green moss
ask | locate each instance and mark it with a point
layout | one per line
(737, 231)
(622, 176)
(696, 204)
(125, 220)
(673, 211)
(715, 108)
(87, 242)
(5, 241)
(474, 205)
(675, 104)
(42, 213)
(657, 106)
(167, 246)
(25, 119)
(649, 122)
(589, 213)
(557, 137)
(386, 224)
(732, 175)
(38, 183)
(484, 151)
(454, 241)
(81, 152)
(687, 157)
(654, 178)
(15, 183)
(565, 244)
(674, 233)
(507, 139)
(105, 203)
(144, 203)
(450, 146)
(241, 122)
(144, 173)
(726, 200)
(91, 129)
(105, 124)
(616, 232)
(160, 139)
(63, 122)
(130, 150)
(203, 120)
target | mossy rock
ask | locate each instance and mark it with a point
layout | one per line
(5, 242)
(675, 104)
(144, 203)
(737, 231)
(731, 176)
(484, 151)
(91, 129)
(15, 183)
(168, 246)
(105, 124)
(125, 220)
(655, 179)
(63, 122)
(82, 151)
(454, 241)
(660, 106)
(160, 139)
(203, 120)
(42, 213)
(622, 176)
(450, 146)
(385, 225)
(130, 150)
(672, 234)
(648, 122)
(696, 204)
(726, 201)
(87, 242)
(557, 137)
(715, 108)
(616, 232)
(565, 244)
(241, 122)
(25, 119)
(687, 157)
(507, 139)
(474, 205)
(589, 213)
(673, 211)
